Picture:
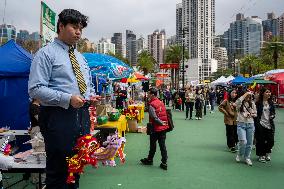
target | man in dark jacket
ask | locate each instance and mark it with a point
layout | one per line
(159, 121)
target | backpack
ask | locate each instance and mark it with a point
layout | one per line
(170, 120)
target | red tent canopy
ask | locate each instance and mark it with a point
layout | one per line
(279, 79)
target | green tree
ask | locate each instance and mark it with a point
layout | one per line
(222, 72)
(174, 54)
(146, 62)
(120, 57)
(274, 49)
(31, 46)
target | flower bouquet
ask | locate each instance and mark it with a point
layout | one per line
(131, 116)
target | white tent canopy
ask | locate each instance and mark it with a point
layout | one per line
(219, 80)
(229, 78)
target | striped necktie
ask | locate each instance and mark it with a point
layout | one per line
(76, 68)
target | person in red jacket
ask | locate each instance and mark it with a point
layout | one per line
(159, 121)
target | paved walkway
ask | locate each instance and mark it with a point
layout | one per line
(198, 159)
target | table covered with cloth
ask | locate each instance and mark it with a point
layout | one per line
(120, 125)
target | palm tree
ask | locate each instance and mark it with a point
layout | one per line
(174, 54)
(146, 62)
(274, 49)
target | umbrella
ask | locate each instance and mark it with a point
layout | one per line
(102, 64)
(140, 76)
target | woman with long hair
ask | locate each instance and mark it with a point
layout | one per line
(264, 124)
(199, 99)
(228, 108)
(245, 126)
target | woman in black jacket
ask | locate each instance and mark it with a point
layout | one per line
(265, 127)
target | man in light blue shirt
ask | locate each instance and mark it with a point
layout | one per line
(60, 80)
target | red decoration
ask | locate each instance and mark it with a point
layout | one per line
(86, 146)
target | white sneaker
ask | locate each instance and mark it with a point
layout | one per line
(238, 159)
(196, 118)
(248, 162)
(262, 159)
(267, 157)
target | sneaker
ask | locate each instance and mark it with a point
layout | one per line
(238, 159)
(248, 162)
(146, 161)
(186, 118)
(164, 166)
(262, 159)
(267, 157)
(233, 150)
(196, 118)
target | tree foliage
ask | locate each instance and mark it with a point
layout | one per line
(273, 51)
(146, 62)
(174, 54)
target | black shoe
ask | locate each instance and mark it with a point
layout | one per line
(146, 161)
(233, 150)
(164, 166)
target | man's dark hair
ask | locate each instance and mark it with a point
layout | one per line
(153, 91)
(71, 16)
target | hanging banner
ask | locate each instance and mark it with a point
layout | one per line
(48, 27)
(169, 66)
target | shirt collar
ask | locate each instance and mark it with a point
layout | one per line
(62, 44)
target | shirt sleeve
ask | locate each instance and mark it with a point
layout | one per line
(40, 74)
(154, 116)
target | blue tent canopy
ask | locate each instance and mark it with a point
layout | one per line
(15, 61)
(239, 80)
(105, 65)
(15, 65)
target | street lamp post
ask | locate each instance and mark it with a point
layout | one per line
(184, 31)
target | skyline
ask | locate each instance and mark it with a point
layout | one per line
(147, 15)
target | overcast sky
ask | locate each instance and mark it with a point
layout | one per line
(141, 16)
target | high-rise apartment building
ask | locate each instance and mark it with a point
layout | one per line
(220, 54)
(281, 27)
(105, 46)
(141, 44)
(179, 23)
(7, 32)
(270, 27)
(131, 47)
(243, 37)
(23, 35)
(117, 40)
(199, 22)
(34, 36)
(156, 45)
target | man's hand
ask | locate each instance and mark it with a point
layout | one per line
(95, 99)
(76, 101)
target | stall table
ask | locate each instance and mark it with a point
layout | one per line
(120, 125)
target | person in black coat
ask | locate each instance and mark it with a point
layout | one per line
(264, 124)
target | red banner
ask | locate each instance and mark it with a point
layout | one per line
(169, 66)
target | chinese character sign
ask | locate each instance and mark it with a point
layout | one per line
(48, 29)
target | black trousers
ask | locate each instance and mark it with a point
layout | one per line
(189, 108)
(61, 128)
(232, 135)
(264, 140)
(161, 138)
